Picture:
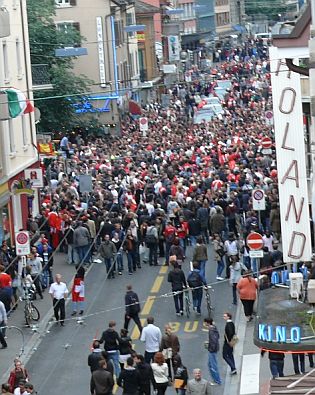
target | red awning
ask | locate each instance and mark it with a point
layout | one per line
(134, 108)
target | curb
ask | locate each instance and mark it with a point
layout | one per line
(33, 343)
(232, 383)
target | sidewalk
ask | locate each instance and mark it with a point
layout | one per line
(18, 335)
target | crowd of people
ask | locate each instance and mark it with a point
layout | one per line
(166, 194)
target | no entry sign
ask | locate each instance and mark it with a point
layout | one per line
(255, 241)
(266, 142)
(143, 124)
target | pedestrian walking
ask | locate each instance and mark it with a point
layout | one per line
(145, 374)
(3, 323)
(81, 242)
(169, 346)
(151, 241)
(95, 356)
(160, 374)
(298, 360)
(130, 246)
(111, 341)
(35, 263)
(231, 250)
(178, 282)
(213, 348)
(132, 308)
(236, 269)
(200, 256)
(102, 381)
(129, 378)
(229, 333)
(180, 375)
(5, 389)
(125, 347)
(151, 335)
(17, 374)
(196, 282)
(276, 363)
(247, 287)
(59, 292)
(108, 251)
(219, 253)
(198, 385)
(78, 292)
(20, 390)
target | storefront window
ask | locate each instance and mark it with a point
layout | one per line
(4, 225)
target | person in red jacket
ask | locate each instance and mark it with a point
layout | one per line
(169, 235)
(77, 292)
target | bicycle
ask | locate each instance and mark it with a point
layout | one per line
(187, 302)
(210, 308)
(31, 312)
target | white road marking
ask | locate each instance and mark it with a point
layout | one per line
(250, 374)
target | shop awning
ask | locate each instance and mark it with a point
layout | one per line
(134, 108)
(239, 28)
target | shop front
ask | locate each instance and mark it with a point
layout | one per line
(5, 226)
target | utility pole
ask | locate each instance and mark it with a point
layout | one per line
(312, 99)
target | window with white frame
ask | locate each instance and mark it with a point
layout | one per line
(66, 28)
(18, 57)
(24, 130)
(65, 3)
(11, 136)
(5, 61)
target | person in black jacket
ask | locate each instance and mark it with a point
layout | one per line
(213, 348)
(125, 347)
(102, 381)
(129, 379)
(111, 341)
(132, 308)
(145, 373)
(95, 356)
(276, 363)
(178, 281)
(229, 332)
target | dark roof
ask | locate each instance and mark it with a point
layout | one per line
(279, 385)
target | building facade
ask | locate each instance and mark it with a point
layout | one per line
(111, 56)
(17, 135)
(222, 17)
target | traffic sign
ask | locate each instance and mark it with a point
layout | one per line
(266, 142)
(254, 241)
(22, 243)
(269, 114)
(256, 254)
(144, 125)
(259, 201)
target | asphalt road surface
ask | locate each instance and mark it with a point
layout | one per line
(60, 362)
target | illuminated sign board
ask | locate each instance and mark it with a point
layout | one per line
(290, 149)
(279, 333)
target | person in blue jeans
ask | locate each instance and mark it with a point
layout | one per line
(213, 348)
(276, 363)
(111, 341)
(196, 283)
(201, 255)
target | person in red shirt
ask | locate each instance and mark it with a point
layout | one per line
(6, 287)
(182, 232)
(169, 235)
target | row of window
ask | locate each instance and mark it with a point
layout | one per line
(11, 132)
(221, 2)
(222, 18)
(5, 57)
(189, 10)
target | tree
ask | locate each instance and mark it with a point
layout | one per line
(269, 8)
(55, 105)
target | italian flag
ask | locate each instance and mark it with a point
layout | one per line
(18, 103)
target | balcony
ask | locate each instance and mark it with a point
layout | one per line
(40, 77)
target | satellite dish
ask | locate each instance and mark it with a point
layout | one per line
(37, 115)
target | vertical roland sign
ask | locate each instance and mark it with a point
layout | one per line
(289, 138)
(100, 49)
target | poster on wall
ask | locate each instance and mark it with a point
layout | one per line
(35, 176)
(173, 49)
(292, 181)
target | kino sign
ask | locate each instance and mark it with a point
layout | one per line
(289, 139)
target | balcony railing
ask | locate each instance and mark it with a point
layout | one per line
(40, 77)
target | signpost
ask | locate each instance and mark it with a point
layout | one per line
(255, 241)
(259, 200)
(144, 125)
(22, 243)
(266, 144)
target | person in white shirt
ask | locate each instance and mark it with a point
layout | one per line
(160, 373)
(20, 390)
(59, 292)
(152, 337)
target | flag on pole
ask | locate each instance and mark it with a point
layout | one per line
(18, 103)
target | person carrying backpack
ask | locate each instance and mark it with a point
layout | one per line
(196, 281)
(132, 308)
(151, 241)
(169, 235)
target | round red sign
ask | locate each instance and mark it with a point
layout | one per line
(255, 241)
(22, 238)
(266, 142)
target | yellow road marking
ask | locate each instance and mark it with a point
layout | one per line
(191, 328)
(148, 305)
(163, 270)
(135, 332)
(157, 284)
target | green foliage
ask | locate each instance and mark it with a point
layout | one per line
(269, 8)
(57, 114)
